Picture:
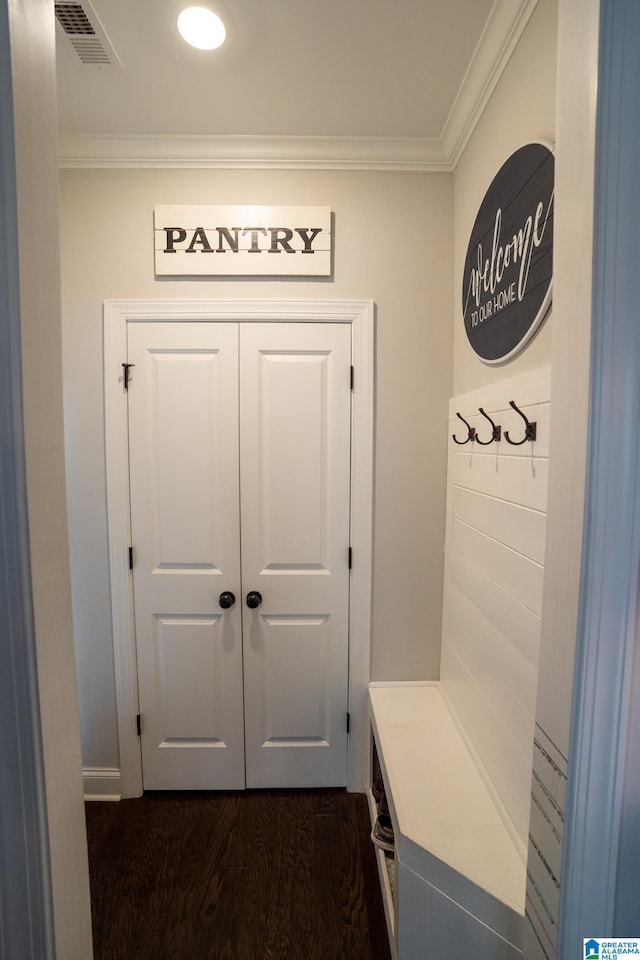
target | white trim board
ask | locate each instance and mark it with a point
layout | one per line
(101, 783)
(494, 553)
(26, 899)
(505, 25)
(360, 314)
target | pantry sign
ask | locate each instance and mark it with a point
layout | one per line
(231, 241)
(506, 286)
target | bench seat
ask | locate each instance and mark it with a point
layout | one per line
(459, 876)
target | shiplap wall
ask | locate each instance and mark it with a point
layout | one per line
(494, 556)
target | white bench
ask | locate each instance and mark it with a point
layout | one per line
(459, 878)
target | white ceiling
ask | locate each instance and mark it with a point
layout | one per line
(302, 73)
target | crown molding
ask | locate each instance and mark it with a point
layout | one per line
(248, 152)
(504, 27)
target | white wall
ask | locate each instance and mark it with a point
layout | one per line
(577, 75)
(393, 244)
(521, 109)
(490, 659)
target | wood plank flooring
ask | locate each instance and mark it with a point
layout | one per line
(260, 875)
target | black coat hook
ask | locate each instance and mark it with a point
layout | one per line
(529, 429)
(471, 435)
(496, 430)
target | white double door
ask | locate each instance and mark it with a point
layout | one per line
(240, 484)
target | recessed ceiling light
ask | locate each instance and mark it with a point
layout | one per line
(202, 28)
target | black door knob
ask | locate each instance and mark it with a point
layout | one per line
(254, 599)
(226, 600)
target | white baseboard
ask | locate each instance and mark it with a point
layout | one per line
(101, 783)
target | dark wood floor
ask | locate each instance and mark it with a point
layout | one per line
(261, 875)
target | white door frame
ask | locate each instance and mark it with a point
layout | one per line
(600, 873)
(360, 315)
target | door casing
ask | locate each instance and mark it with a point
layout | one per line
(360, 314)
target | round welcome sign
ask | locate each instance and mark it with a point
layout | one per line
(506, 285)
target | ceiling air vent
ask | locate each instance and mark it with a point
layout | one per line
(84, 36)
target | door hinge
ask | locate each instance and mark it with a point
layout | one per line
(353, 375)
(130, 558)
(139, 725)
(125, 369)
(350, 558)
(348, 721)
